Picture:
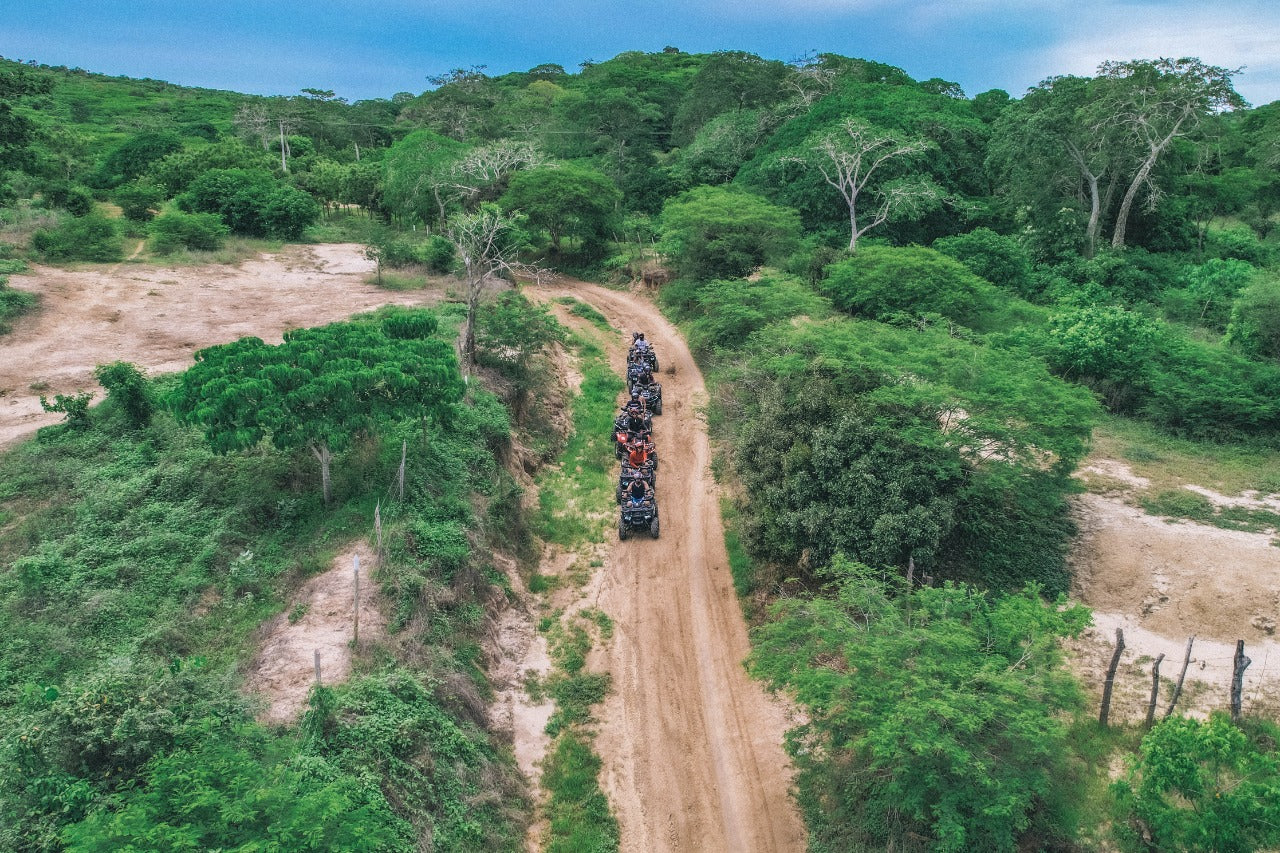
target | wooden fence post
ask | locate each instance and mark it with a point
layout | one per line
(1177, 688)
(355, 639)
(1111, 678)
(1155, 690)
(317, 667)
(1240, 664)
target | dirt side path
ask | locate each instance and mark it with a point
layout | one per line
(692, 747)
(323, 621)
(157, 317)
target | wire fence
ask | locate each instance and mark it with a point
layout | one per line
(1211, 684)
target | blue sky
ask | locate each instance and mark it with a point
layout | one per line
(376, 48)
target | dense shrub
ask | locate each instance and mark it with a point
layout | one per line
(139, 200)
(87, 238)
(1255, 319)
(252, 203)
(933, 716)
(76, 200)
(884, 283)
(1001, 260)
(195, 231)
(717, 232)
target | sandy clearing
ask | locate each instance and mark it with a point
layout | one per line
(692, 747)
(157, 317)
(1162, 582)
(284, 669)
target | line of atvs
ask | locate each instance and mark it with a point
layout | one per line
(633, 442)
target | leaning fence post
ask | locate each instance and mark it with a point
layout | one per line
(1239, 665)
(1155, 690)
(1111, 678)
(1177, 688)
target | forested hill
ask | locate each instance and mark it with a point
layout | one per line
(912, 305)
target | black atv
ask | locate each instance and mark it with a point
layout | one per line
(639, 516)
(648, 356)
(650, 395)
(629, 474)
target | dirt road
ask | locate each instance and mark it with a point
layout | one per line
(157, 317)
(692, 747)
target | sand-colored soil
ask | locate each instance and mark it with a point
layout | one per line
(1162, 582)
(284, 670)
(157, 317)
(692, 747)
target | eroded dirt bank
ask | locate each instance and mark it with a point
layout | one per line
(157, 317)
(692, 747)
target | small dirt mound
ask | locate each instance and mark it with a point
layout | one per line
(322, 619)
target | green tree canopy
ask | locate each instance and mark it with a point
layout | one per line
(934, 714)
(720, 232)
(321, 387)
(565, 200)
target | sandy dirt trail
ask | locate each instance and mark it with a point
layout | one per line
(157, 317)
(692, 747)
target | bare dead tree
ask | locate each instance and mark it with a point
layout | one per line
(254, 122)
(487, 165)
(849, 158)
(487, 246)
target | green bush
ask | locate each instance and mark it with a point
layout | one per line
(76, 200)
(128, 390)
(884, 283)
(139, 200)
(13, 303)
(86, 238)
(196, 231)
(1001, 260)
(933, 714)
(439, 254)
(251, 202)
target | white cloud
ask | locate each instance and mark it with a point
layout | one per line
(1231, 35)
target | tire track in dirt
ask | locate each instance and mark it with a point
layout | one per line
(692, 747)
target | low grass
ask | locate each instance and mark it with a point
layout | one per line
(578, 812)
(576, 498)
(1169, 464)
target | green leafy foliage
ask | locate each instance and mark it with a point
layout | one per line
(86, 238)
(716, 232)
(321, 387)
(139, 200)
(883, 283)
(13, 303)
(999, 259)
(1203, 786)
(251, 203)
(567, 200)
(128, 390)
(175, 230)
(931, 715)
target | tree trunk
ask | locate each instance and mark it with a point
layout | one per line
(1095, 214)
(324, 457)
(1144, 171)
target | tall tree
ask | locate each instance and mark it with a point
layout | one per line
(488, 243)
(1150, 103)
(564, 200)
(850, 155)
